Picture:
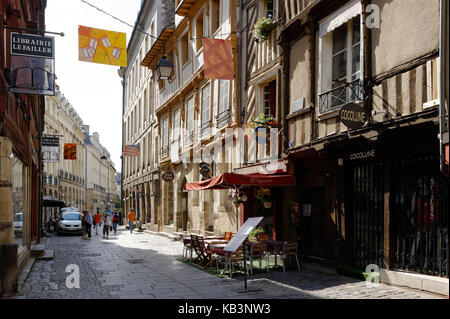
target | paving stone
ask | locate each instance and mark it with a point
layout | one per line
(105, 273)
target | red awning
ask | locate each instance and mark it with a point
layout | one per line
(230, 181)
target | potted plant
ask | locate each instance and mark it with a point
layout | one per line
(262, 28)
(254, 234)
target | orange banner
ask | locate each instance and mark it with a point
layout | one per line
(218, 58)
(102, 46)
(70, 151)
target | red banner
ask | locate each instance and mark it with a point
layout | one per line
(218, 59)
(70, 151)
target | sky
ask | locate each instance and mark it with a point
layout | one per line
(94, 90)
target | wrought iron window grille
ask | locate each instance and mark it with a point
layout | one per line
(348, 92)
(222, 119)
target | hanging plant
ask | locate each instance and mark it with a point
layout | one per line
(263, 196)
(262, 28)
(238, 201)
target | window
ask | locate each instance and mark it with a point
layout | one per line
(224, 102)
(172, 58)
(189, 119)
(271, 9)
(215, 18)
(341, 58)
(199, 32)
(176, 125)
(165, 136)
(18, 197)
(206, 110)
(270, 99)
(185, 48)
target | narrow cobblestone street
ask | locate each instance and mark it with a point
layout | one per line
(145, 266)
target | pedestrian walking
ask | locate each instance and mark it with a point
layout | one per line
(86, 224)
(88, 219)
(106, 224)
(110, 215)
(131, 219)
(115, 221)
(98, 222)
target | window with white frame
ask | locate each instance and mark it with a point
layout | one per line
(223, 103)
(341, 54)
(189, 119)
(165, 136)
(206, 110)
(176, 125)
(270, 6)
(215, 18)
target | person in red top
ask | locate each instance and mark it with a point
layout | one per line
(115, 221)
(98, 222)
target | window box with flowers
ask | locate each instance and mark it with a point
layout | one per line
(262, 125)
(262, 28)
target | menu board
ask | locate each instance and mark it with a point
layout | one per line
(242, 234)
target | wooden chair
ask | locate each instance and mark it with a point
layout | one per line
(235, 258)
(289, 249)
(198, 245)
(214, 255)
(263, 237)
(227, 236)
(232, 235)
(258, 251)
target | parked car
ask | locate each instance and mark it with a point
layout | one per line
(70, 223)
(18, 222)
(69, 209)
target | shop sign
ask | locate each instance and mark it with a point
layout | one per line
(168, 176)
(362, 155)
(205, 171)
(353, 115)
(50, 149)
(32, 64)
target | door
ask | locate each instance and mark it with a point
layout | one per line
(365, 206)
(313, 232)
(184, 210)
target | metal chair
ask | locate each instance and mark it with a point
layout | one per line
(289, 249)
(187, 247)
(235, 258)
(258, 251)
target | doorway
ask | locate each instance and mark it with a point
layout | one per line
(313, 232)
(365, 204)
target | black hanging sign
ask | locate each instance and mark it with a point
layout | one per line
(353, 115)
(32, 45)
(32, 64)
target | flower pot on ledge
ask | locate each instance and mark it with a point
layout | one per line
(267, 204)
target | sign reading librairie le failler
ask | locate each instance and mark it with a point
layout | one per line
(32, 45)
(32, 64)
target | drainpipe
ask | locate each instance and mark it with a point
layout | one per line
(239, 34)
(442, 86)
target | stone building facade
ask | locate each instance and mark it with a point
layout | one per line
(21, 123)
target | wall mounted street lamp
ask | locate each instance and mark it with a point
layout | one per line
(164, 69)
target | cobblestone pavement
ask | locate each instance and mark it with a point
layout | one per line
(144, 266)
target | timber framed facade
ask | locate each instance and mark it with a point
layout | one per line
(376, 193)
